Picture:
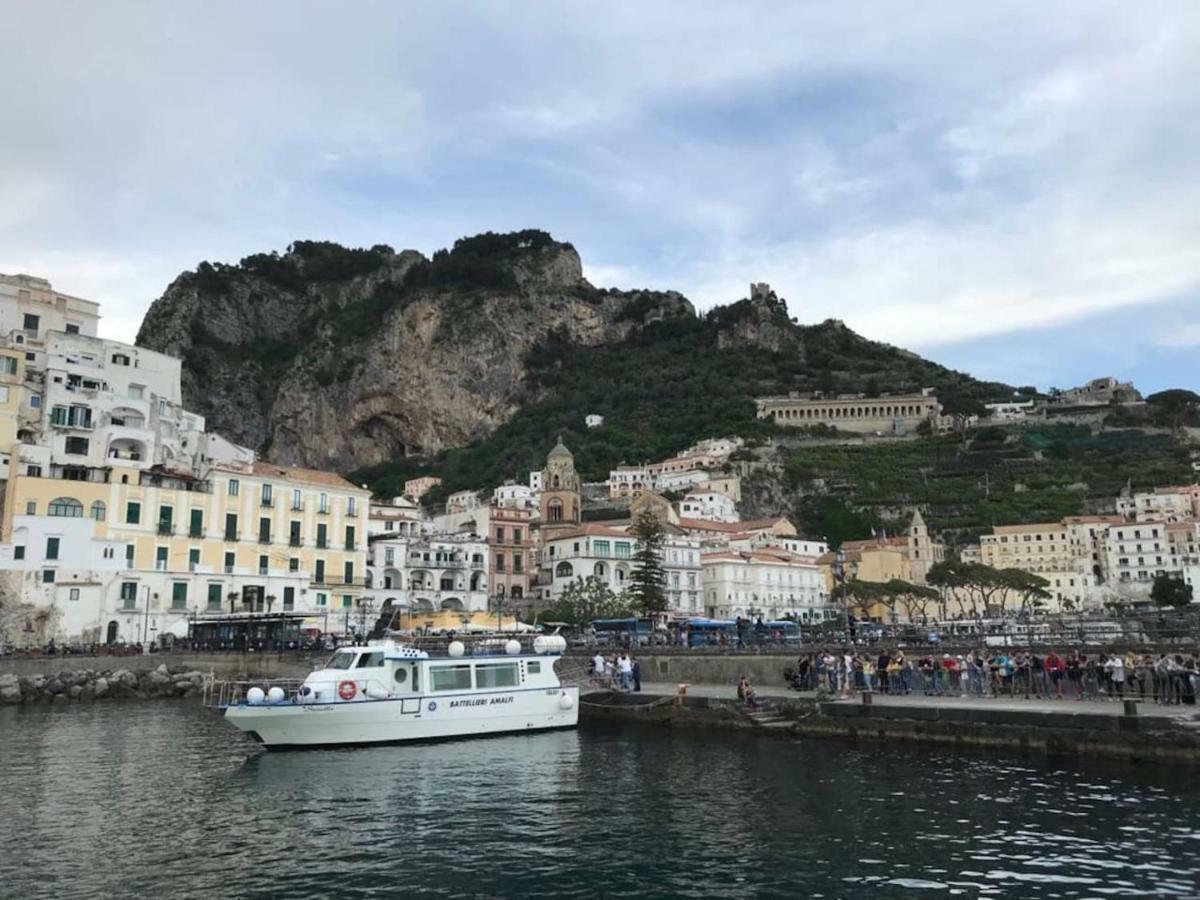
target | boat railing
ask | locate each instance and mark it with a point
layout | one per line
(220, 694)
(474, 644)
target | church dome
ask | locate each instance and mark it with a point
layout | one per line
(560, 451)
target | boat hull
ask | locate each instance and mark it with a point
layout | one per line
(401, 720)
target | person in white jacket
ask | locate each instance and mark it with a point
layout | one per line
(1116, 669)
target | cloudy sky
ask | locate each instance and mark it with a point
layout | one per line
(1012, 189)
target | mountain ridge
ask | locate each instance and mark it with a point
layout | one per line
(373, 361)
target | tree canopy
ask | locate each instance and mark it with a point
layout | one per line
(1170, 590)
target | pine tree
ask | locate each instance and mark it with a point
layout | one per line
(647, 581)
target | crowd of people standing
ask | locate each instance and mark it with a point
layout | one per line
(620, 671)
(1163, 678)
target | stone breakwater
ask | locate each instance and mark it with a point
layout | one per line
(88, 685)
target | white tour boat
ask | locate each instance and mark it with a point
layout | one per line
(390, 692)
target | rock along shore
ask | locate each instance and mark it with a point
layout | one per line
(88, 685)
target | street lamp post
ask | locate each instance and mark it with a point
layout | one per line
(146, 623)
(499, 601)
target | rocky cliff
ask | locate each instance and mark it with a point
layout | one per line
(337, 358)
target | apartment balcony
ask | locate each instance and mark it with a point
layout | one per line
(195, 532)
(264, 538)
(297, 507)
(267, 502)
(295, 542)
(232, 537)
(166, 528)
(328, 581)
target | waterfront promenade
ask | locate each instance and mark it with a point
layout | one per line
(916, 701)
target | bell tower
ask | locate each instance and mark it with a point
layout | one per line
(560, 499)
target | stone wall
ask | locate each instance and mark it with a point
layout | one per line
(85, 679)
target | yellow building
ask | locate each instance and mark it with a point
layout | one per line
(135, 556)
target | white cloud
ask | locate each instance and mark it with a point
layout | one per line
(927, 172)
(1184, 336)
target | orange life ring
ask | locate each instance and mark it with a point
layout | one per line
(347, 690)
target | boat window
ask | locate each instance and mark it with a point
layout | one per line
(496, 675)
(534, 667)
(370, 660)
(343, 659)
(401, 674)
(450, 678)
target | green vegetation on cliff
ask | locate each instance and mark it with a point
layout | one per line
(669, 384)
(1037, 474)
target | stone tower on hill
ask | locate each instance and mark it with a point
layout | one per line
(560, 501)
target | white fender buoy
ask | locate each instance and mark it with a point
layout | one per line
(566, 701)
(255, 696)
(456, 649)
(512, 648)
(275, 695)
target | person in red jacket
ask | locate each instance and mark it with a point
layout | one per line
(1054, 673)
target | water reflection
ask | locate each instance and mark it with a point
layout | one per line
(164, 800)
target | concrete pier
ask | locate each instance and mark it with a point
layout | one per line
(1131, 730)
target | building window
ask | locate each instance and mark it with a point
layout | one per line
(133, 513)
(289, 599)
(296, 502)
(323, 503)
(322, 536)
(31, 322)
(347, 601)
(128, 594)
(99, 511)
(264, 531)
(229, 563)
(348, 572)
(8, 365)
(35, 401)
(67, 507)
(499, 535)
(19, 551)
(233, 487)
(193, 559)
(268, 497)
(231, 526)
(264, 563)
(319, 574)
(351, 506)
(322, 599)
(52, 548)
(563, 570)
(72, 328)
(349, 537)
(48, 576)
(294, 564)
(120, 359)
(214, 597)
(160, 558)
(179, 595)
(499, 562)
(31, 507)
(518, 564)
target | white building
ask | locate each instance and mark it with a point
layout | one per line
(426, 574)
(715, 448)
(515, 496)
(396, 517)
(535, 481)
(1010, 411)
(1164, 504)
(463, 501)
(627, 481)
(769, 583)
(713, 506)
(605, 552)
(593, 421)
